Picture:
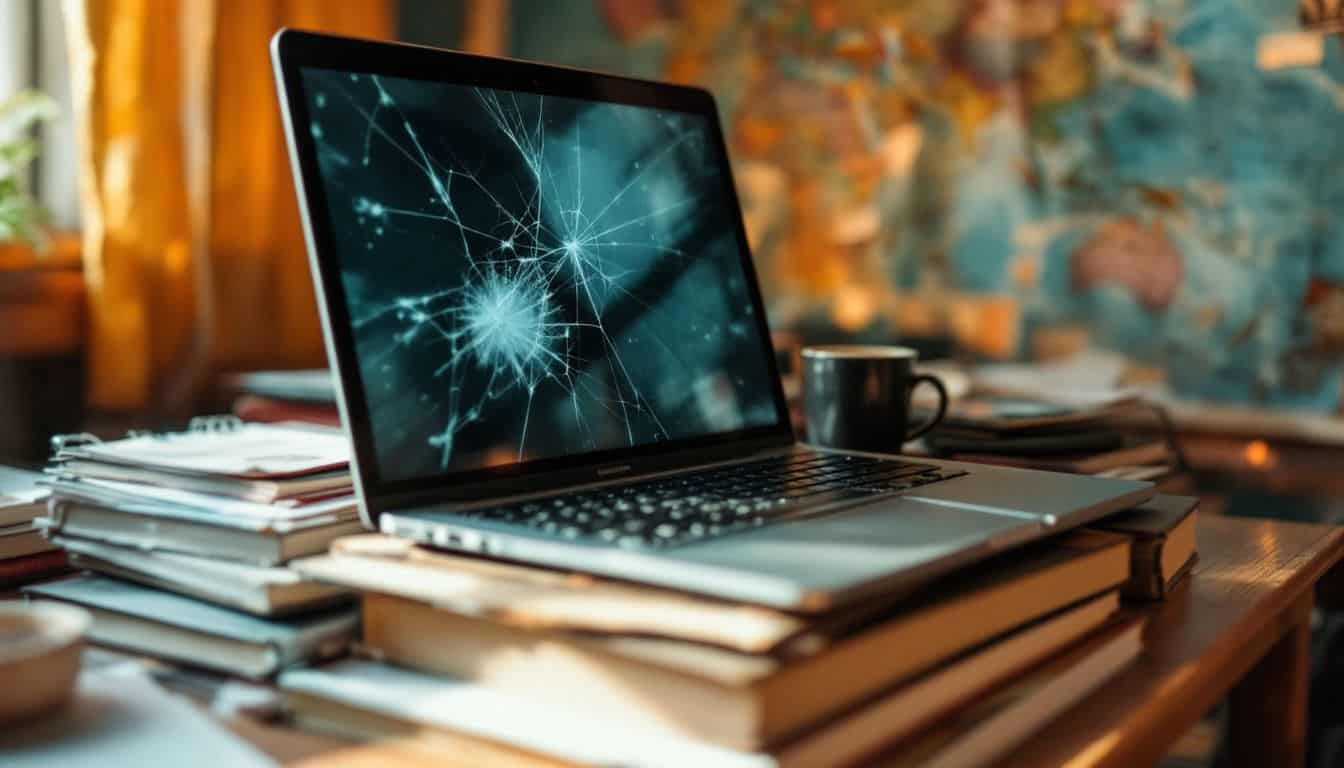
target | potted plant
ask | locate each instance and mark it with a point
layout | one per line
(41, 299)
(21, 217)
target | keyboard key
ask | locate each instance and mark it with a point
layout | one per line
(683, 509)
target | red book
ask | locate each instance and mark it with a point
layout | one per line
(25, 570)
(273, 409)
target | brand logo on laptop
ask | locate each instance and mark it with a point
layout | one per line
(619, 469)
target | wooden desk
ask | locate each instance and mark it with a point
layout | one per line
(1240, 627)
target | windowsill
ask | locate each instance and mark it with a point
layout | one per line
(42, 298)
(63, 251)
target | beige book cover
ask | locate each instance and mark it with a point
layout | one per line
(539, 598)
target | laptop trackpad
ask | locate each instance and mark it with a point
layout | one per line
(840, 551)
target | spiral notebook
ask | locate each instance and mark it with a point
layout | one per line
(162, 505)
(220, 446)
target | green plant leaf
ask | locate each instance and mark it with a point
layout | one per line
(20, 215)
(15, 155)
(21, 111)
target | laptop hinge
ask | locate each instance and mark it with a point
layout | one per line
(610, 472)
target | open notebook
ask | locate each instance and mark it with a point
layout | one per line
(223, 447)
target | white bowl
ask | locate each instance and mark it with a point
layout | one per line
(40, 646)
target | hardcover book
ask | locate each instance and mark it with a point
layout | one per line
(1163, 549)
(162, 624)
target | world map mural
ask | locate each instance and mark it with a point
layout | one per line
(1161, 177)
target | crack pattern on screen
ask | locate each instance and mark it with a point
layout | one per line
(504, 320)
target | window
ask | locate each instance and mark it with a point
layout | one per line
(33, 55)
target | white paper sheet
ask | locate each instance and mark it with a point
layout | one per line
(253, 450)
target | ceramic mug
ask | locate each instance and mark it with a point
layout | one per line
(858, 397)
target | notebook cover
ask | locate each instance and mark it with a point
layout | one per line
(230, 574)
(286, 635)
(267, 590)
(284, 491)
(69, 500)
(170, 502)
(255, 542)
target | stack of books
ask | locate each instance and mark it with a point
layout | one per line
(519, 662)
(24, 554)
(188, 536)
(1036, 434)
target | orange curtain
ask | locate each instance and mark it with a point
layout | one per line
(193, 253)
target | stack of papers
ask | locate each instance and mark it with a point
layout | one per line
(1095, 378)
(180, 629)
(256, 494)
(203, 524)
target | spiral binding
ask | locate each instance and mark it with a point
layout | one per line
(199, 425)
(217, 423)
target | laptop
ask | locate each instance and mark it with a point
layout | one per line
(549, 342)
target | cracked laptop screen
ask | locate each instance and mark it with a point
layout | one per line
(532, 276)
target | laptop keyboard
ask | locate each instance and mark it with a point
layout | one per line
(692, 507)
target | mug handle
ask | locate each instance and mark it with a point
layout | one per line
(942, 404)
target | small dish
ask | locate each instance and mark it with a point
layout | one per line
(40, 646)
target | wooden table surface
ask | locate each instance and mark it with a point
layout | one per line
(1240, 626)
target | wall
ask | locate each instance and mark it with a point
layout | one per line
(1027, 176)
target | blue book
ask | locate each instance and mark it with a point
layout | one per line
(181, 629)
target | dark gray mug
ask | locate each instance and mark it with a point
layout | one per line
(858, 397)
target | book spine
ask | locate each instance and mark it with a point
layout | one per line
(1145, 570)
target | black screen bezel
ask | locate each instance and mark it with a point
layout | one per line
(294, 50)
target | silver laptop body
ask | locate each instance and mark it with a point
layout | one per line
(535, 289)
